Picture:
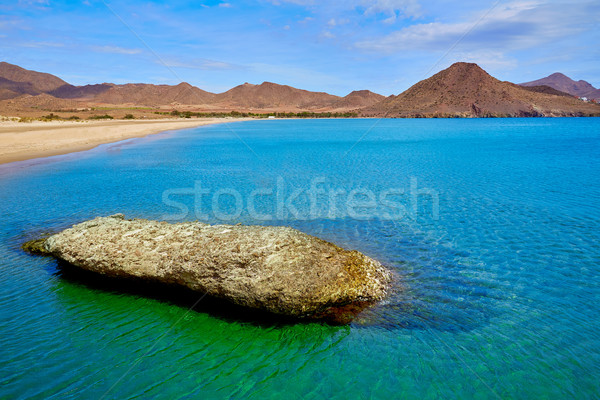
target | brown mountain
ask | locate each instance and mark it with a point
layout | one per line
(16, 81)
(546, 89)
(563, 83)
(6, 94)
(358, 99)
(461, 90)
(38, 81)
(87, 92)
(11, 89)
(154, 95)
(43, 102)
(464, 89)
(269, 95)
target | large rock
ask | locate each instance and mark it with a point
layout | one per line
(276, 269)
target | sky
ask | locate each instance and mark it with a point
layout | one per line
(322, 45)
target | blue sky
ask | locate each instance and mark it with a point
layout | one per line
(333, 46)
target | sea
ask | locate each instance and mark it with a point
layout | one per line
(491, 228)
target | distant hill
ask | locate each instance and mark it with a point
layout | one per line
(41, 101)
(11, 89)
(6, 94)
(38, 81)
(563, 83)
(358, 99)
(154, 95)
(461, 90)
(87, 92)
(269, 95)
(16, 81)
(464, 89)
(546, 89)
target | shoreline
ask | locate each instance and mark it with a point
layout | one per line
(24, 141)
(21, 141)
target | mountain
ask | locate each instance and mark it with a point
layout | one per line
(154, 95)
(11, 89)
(546, 89)
(464, 89)
(6, 94)
(461, 90)
(563, 83)
(41, 102)
(358, 99)
(37, 81)
(272, 96)
(16, 81)
(87, 92)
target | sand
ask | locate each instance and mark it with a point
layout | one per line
(24, 141)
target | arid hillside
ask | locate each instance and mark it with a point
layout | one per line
(269, 95)
(565, 84)
(462, 90)
(466, 90)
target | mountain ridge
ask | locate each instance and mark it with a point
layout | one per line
(560, 81)
(41, 81)
(462, 90)
(265, 96)
(466, 90)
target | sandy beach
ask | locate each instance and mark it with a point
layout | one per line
(23, 141)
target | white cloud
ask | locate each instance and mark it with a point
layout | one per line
(305, 20)
(41, 44)
(392, 9)
(34, 2)
(488, 60)
(298, 2)
(10, 22)
(199, 63)
(518, 25)
(225, 5)
(116, 50)
(339, 21)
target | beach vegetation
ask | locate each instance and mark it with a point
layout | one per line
(238, 114)
(105, 116)
(121, 108)
(50, 117)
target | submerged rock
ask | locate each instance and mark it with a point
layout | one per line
(275, 269)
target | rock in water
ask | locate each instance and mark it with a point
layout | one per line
(276, 269)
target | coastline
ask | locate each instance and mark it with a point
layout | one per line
(21, 141)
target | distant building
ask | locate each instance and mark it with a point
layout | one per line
(584, 99)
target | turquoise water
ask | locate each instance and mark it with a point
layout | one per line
(498, 290)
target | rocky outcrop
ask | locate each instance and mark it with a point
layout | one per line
(275, 269)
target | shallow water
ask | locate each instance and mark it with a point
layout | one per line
(497, 293)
